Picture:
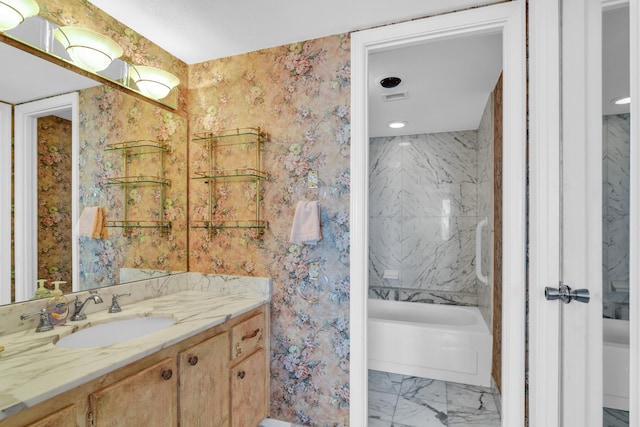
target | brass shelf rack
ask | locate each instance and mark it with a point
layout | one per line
(240, 137)
(131, 180)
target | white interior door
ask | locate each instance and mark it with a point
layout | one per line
(566, 350)
(580, 244)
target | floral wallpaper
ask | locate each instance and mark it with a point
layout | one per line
(108, 117)
(54, 201)
(299, 94)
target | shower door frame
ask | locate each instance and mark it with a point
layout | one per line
(509, 20)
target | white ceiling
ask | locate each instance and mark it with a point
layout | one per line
(447, 84)
(201, 30)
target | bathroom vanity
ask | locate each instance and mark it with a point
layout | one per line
(209, 368)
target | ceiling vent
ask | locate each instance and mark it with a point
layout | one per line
(394, 96)
(390, 82)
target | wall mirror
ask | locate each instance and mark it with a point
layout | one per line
(616, 237)
(81, 147)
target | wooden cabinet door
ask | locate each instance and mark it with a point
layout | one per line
(248, 391)
(204, 384)
(148, 398)
(65, 417)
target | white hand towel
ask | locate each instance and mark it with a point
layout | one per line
(306, 224)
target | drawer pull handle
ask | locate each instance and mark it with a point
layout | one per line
(251, 335)
(167, 374)
(241, 374)
(193, 360)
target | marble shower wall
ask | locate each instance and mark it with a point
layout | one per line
(426, 195)
(422, 210)
(615, 213)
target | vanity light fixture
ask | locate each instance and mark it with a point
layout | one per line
(397, 124)
(153, 82)
(88, 49)
(14, 12)
(622, 101)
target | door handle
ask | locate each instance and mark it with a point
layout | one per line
(566, 294)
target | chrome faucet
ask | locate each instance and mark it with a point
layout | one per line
(78, 313)
(115, 307)
(44, 325)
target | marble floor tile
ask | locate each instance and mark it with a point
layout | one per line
(615, 418)
(382, 406)
(460, 416)
(469, 396)
(385, 382)
(418, 389)
(374, 422)
(407, 401)
(420, 413)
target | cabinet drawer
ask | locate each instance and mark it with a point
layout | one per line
(247, 336)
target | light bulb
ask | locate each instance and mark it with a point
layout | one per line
(153, 82)
(14, 12)
(88, 49)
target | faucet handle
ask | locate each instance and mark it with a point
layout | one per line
(44, 325)
(115, 307)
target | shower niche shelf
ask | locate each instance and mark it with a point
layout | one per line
(233, 178)
(143, 178)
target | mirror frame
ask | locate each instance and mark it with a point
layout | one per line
(5, 203)
(26, 184)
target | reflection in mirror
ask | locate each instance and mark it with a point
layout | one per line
(106, 116)
(615, 212)
(46, 183)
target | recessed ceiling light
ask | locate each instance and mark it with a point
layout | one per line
(397, 124)
(622, 101)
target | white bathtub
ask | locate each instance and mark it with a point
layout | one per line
(616, 364)
(443, 342)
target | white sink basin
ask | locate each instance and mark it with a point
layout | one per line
(115, 332)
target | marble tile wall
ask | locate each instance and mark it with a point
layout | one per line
(423, 209)
(615, 212)
(426, 194)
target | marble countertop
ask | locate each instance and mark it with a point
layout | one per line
(33, 369)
